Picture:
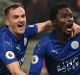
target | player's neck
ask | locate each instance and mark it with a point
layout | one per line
(18, 35)
(61, 36)
(15, 34)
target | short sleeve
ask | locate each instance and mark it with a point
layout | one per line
(37, 60)
(31, 30)
(7, 55)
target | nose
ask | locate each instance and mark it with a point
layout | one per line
(21, 19)
(70, 20)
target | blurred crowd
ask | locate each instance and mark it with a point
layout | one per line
(38, 10)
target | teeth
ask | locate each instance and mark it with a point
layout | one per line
(69, 29)
(20, 25)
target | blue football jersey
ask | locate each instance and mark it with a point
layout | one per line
(60, 58)
(13, 49)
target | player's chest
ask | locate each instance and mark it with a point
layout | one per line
(64, 50)
(20, 46)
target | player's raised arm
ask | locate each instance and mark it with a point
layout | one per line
(47, 25)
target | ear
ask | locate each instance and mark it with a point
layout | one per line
(7, 22)
(53, 22)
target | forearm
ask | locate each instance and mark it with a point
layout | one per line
(19, 72)
(47, 25)
(15, 69)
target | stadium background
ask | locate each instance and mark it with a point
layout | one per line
(38, 11)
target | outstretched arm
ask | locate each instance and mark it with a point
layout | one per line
(47, 25)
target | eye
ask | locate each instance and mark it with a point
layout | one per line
(15, 16)
(71, 15)
(65, 15)
(23, 16)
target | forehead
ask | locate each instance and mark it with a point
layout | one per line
(65, 11)
(17, 11)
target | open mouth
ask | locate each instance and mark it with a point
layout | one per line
(20, 25)
(69, 27)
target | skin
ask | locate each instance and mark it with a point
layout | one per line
(63, 24)
(16, 21)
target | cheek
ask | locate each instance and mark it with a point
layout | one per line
(13, 25)
(13, 22)
(25, 21)
(63, 25)
(62, 22)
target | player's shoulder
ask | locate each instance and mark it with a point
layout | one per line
(3, 34)
(77, 36)
(3, 29)
(45, 40)
(4, 38)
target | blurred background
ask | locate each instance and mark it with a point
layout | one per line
(38, 11)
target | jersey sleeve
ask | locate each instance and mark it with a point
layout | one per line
(7, 56)
(31, 30)
(37, 60)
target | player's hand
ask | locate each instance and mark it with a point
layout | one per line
(49, 25)
(76, 30)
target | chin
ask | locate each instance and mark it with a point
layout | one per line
(21, 32)
(68, 34)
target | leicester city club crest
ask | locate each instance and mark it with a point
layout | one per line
(75, 44)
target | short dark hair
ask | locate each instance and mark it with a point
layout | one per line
(54, 10)
(12, 6)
